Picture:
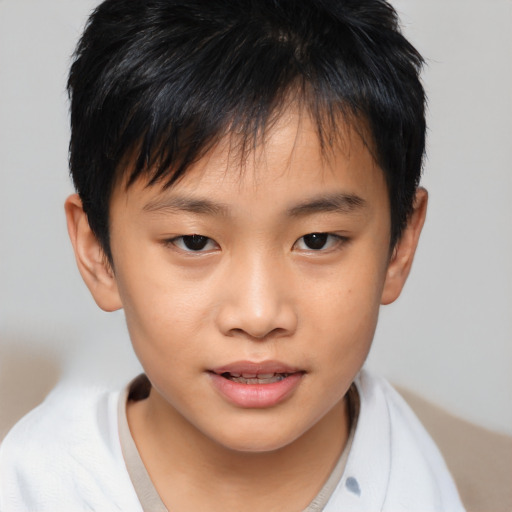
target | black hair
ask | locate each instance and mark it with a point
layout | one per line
(157, 83)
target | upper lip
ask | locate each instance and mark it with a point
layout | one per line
(256, 368)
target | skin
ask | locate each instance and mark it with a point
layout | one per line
(255, 292)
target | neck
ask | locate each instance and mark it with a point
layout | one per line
(193, 472)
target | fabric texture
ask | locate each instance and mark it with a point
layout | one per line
(66, 455)
(394, 466)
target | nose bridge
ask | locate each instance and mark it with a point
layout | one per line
(257, 303)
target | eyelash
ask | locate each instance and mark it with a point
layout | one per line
(181, 243)
(184, 242)
(336, 241)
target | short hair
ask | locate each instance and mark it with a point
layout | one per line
(160, 82)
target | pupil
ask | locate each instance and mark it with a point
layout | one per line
(195, 242)
(316, 240)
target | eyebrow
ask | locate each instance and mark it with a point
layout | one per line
(342, 203)
(187, 204)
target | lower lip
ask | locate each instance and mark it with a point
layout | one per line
(256, 396)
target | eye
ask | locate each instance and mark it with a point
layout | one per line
(318, 242)
(194, 243)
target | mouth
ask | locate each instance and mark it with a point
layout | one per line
(255, 378)
(248, 372)
(256, 385)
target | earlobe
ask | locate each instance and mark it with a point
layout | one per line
(92, 263)
(403, 254)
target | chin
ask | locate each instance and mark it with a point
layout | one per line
(255, 446)
(256, 441)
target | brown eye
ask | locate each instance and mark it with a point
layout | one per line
(194, 243)
(319, 242)
(315, 241)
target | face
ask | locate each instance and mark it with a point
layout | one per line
(251, 295)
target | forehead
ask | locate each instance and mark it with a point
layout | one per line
(287, 162)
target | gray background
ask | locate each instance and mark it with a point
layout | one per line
(448, 338)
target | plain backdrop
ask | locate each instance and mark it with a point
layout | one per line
(448, 338)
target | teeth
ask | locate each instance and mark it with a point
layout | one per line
(255, 378)
(268, 378)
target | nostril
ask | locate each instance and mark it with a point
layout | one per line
(241, 317)
(277, 332)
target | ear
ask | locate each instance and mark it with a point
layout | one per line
(403, 253)
(92, 263)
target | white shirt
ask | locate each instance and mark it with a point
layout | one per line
(65, 456)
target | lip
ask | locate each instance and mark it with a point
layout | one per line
(257, 395)
(255, 367)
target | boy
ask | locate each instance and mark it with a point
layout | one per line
(247, 176)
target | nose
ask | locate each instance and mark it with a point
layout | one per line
(257, 300)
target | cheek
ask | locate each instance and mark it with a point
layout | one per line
(163, 312)
(346, 310)
(348, 330)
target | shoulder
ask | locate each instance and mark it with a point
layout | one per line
(66, 455)
(393, 464)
